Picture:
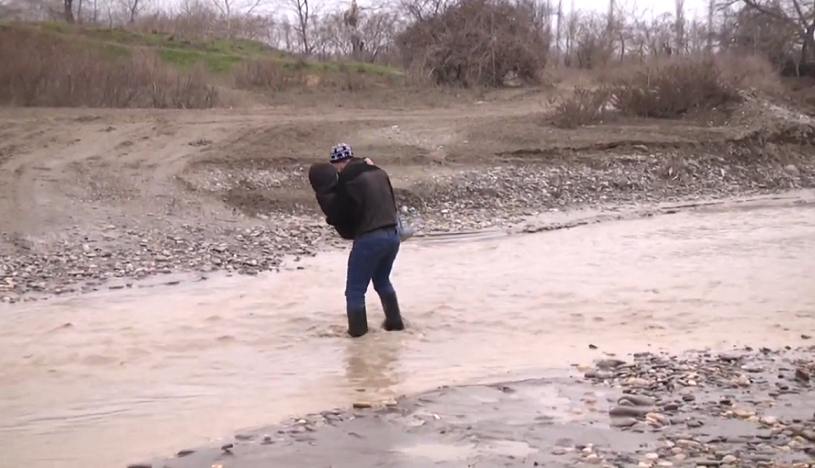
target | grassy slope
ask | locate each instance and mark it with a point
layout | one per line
(218, 55)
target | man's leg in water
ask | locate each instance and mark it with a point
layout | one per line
(366, 254)
(384, 287)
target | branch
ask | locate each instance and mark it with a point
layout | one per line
(256, 4)
(761, 9)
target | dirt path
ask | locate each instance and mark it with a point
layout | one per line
(63, 168)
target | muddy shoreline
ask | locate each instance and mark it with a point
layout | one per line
(744, 407)
(119, 256)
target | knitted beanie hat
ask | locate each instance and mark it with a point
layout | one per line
(341, 152)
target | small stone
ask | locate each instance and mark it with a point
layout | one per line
(687, 443)
(636, 400)
(629, 411)
(610, 363)
(743, 413)
(623, 422)
(361, 405)
(769, 420)
(636, 382)
(729, 459)
(651, 456)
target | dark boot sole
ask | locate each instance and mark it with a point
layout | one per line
(388, 327)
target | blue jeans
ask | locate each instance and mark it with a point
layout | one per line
(371, 259)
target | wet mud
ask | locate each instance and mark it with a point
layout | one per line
(745, 407)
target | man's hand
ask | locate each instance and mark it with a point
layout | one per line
(368, 160)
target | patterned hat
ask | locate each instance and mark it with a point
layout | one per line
(341, 152)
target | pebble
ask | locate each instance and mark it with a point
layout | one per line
(698, 389)
(769, 420)
(623, 422)
(629, 411)
(637, 400)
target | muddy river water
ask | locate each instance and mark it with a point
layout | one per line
(100, 380)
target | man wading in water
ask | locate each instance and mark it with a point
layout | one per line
(362, 207)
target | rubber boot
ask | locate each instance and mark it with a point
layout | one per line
(357, 321)
(393, 317)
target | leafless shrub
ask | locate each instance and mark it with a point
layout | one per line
(671, 89)
(583, 107)
(272, 75)
(665, 89)
(475, 43)
(276, 76)
(41, 70)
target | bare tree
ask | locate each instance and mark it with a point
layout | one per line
(68, 10)
(559, 32)
(229, 9)
(351, 21)
(305, 18)
(679, 26)
(132, 8)
(420, 10)
(795, 14)
(711, 9)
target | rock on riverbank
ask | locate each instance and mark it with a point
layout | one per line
(744, 408)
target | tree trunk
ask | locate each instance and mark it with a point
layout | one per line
(69, 10)
(808, 47)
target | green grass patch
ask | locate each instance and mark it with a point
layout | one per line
(215, 63)
(217, 55)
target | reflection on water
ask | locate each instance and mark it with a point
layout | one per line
(105, 379)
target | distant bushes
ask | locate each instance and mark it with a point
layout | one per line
(475, 43)
(666, 89)
(44, 70)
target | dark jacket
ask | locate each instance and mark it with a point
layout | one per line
(324, 180)
(365, 199)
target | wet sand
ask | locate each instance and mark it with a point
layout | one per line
(103, 379)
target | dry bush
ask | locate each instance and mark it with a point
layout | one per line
(671, 89)
(583, 107)
(751, 72)
(668, 88)
(41, 70)
(269, 75)
(475, 43)
(277, 76)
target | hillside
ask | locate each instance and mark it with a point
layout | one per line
(36, 53)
